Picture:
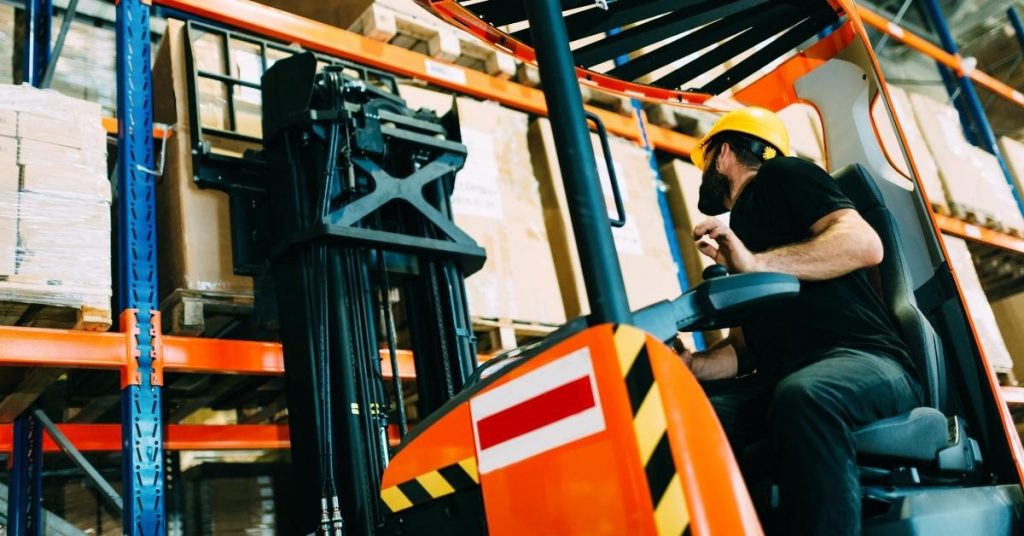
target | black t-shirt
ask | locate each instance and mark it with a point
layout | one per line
(777, 208)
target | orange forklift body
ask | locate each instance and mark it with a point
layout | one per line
(606, 432)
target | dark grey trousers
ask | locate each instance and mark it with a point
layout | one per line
(808, 417)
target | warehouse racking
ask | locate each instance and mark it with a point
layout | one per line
(142, 354)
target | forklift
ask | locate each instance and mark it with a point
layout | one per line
(599, 428)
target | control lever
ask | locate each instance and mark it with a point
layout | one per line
(713, 271)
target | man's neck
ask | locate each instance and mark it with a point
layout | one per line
(738, 185)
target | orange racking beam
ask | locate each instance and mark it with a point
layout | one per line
(274, 23)
(159, 131)
(107, 437)
(954, 62)
(94, 350)
(969, 231)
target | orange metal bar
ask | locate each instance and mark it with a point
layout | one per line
(969, 231)
(159, 131)
(954, 62)
(107, 437)
(314, 35)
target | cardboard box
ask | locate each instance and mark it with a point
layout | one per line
(805, 137)
(647, 266)
(981, 311)
(497, 202)
(340, 14)
(193, 225)
(923, 160)
(940, 126)
(9, 178)
(1013, 152)
(995, 198)
(66, 182)
(34, 152)
(1009, 315)
(8, 151)
(65, 240)
(682, 191)
(8, 123)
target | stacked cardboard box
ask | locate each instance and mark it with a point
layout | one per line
(980, 310)
(994, 192)
(6, 44)
(87, 69)
(193, 224)
(926, 168)
(648, 269)
(1013, 152)
(497, 201)
(1009, 313)
(805, 136)
(54, 203)
(682, 189)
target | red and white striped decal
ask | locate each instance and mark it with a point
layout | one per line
(544, 409)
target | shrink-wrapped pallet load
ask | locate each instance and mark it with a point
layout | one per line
(981, 311)
(54, 209)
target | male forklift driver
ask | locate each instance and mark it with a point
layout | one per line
(815, 368)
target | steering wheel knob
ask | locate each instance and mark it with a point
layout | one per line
(713, 271)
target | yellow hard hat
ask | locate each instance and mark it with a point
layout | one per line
(757, 122)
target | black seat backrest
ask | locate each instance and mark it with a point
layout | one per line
(897, 288)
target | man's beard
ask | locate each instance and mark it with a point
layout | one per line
(714, 189)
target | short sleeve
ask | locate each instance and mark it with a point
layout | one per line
(807, 190)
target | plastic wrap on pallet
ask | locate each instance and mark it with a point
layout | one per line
(87, 68)
(995, 197)
(940, 126)
(6, 44)
(1013, 152)
(923, 160)
(54, 203)
(980, 310)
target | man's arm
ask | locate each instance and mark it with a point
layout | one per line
(720, 361)
(841, 242)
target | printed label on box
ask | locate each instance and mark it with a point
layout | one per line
(476, 187)
(627, 238)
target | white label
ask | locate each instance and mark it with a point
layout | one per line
(477, 192)
(1018, 96)
(972, 231)
(627, 238)
(444, 71)
(547, 408)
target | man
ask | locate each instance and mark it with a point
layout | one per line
(814, 368)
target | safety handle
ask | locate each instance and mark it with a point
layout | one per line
(602, 133)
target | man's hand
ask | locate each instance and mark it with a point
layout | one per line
(728, 249)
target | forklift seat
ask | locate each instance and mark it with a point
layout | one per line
(924, 434)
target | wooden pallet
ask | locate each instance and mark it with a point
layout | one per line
(41, 305)
(423, 33)
(495, 335)
(211, 314)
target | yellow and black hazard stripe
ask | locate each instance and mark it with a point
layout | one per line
(671, 516)
(431, 485)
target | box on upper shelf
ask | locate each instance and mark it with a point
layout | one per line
(649, 272)
(497, 202)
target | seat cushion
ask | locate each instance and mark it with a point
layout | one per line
(918, 435)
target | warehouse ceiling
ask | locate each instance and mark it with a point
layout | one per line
(982, 31)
